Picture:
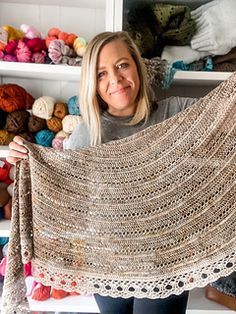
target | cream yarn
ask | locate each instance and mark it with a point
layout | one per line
(43, 107)
(70, 122)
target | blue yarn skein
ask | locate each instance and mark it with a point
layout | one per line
(44, 137)
(73, 105)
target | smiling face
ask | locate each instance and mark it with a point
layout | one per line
(118, 81)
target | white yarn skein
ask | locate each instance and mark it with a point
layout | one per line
(69, 122)
(43, 107)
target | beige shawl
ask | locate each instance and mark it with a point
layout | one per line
(146, 216)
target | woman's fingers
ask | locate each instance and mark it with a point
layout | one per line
(17, 150)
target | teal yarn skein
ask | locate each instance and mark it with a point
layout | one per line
(44, 137)
(73, 105)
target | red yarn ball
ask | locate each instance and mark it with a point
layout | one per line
(4, 170)
(11, 47)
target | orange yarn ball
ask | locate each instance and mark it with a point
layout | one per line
(6, 137)
(54, 124)
(53, 31)
(14, 97)
(60, 110)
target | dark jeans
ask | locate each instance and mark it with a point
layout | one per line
(174, 304)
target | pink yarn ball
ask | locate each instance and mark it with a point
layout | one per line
(38, 57)
(10, 58)
(57, 142)
(23, 53)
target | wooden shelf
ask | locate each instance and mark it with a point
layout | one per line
(198, 304)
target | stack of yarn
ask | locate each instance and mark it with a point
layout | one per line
(27, 44)
(7, 172)
(44, 120)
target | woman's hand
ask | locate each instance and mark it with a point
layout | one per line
(17, 150)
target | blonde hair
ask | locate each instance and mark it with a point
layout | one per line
(90, 103)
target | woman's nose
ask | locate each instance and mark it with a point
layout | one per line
(115, 77)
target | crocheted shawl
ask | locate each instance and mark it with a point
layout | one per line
(147, 216)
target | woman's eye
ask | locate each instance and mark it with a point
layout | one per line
(100, 75)
(122, 65)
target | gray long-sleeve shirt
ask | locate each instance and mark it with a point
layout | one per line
(114, 128)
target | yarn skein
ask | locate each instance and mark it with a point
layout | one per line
(44, 138)
(36, 124)
(73, 105)
(14, 97)
(60, 110)
(43, 107)
(6, 137)
(70, 122)
(54, 124)
(17, 121)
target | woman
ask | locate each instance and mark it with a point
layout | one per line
(114, 103)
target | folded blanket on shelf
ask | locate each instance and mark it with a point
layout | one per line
(147, 216)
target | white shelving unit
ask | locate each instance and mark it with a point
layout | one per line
(84, 17)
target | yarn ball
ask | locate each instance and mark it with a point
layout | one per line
(3, 118)
(10, 58)
(57, 49)
(43, 107)
(62, 134)
(17, 121)
(80, 45)
(70, 122)
(54, 124)
(36, 44)
(44, 137)
(28, 136)
(57, 142)
(4, 170)
(60, 110)
(13, 33)
(23, 52)
(3, 38)
(11, 47)
(30, 31)
(4, 197)
(73, 105)
(53, 31)
(36, 124)
(38, 57)
(14, 97)
(6, 137)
